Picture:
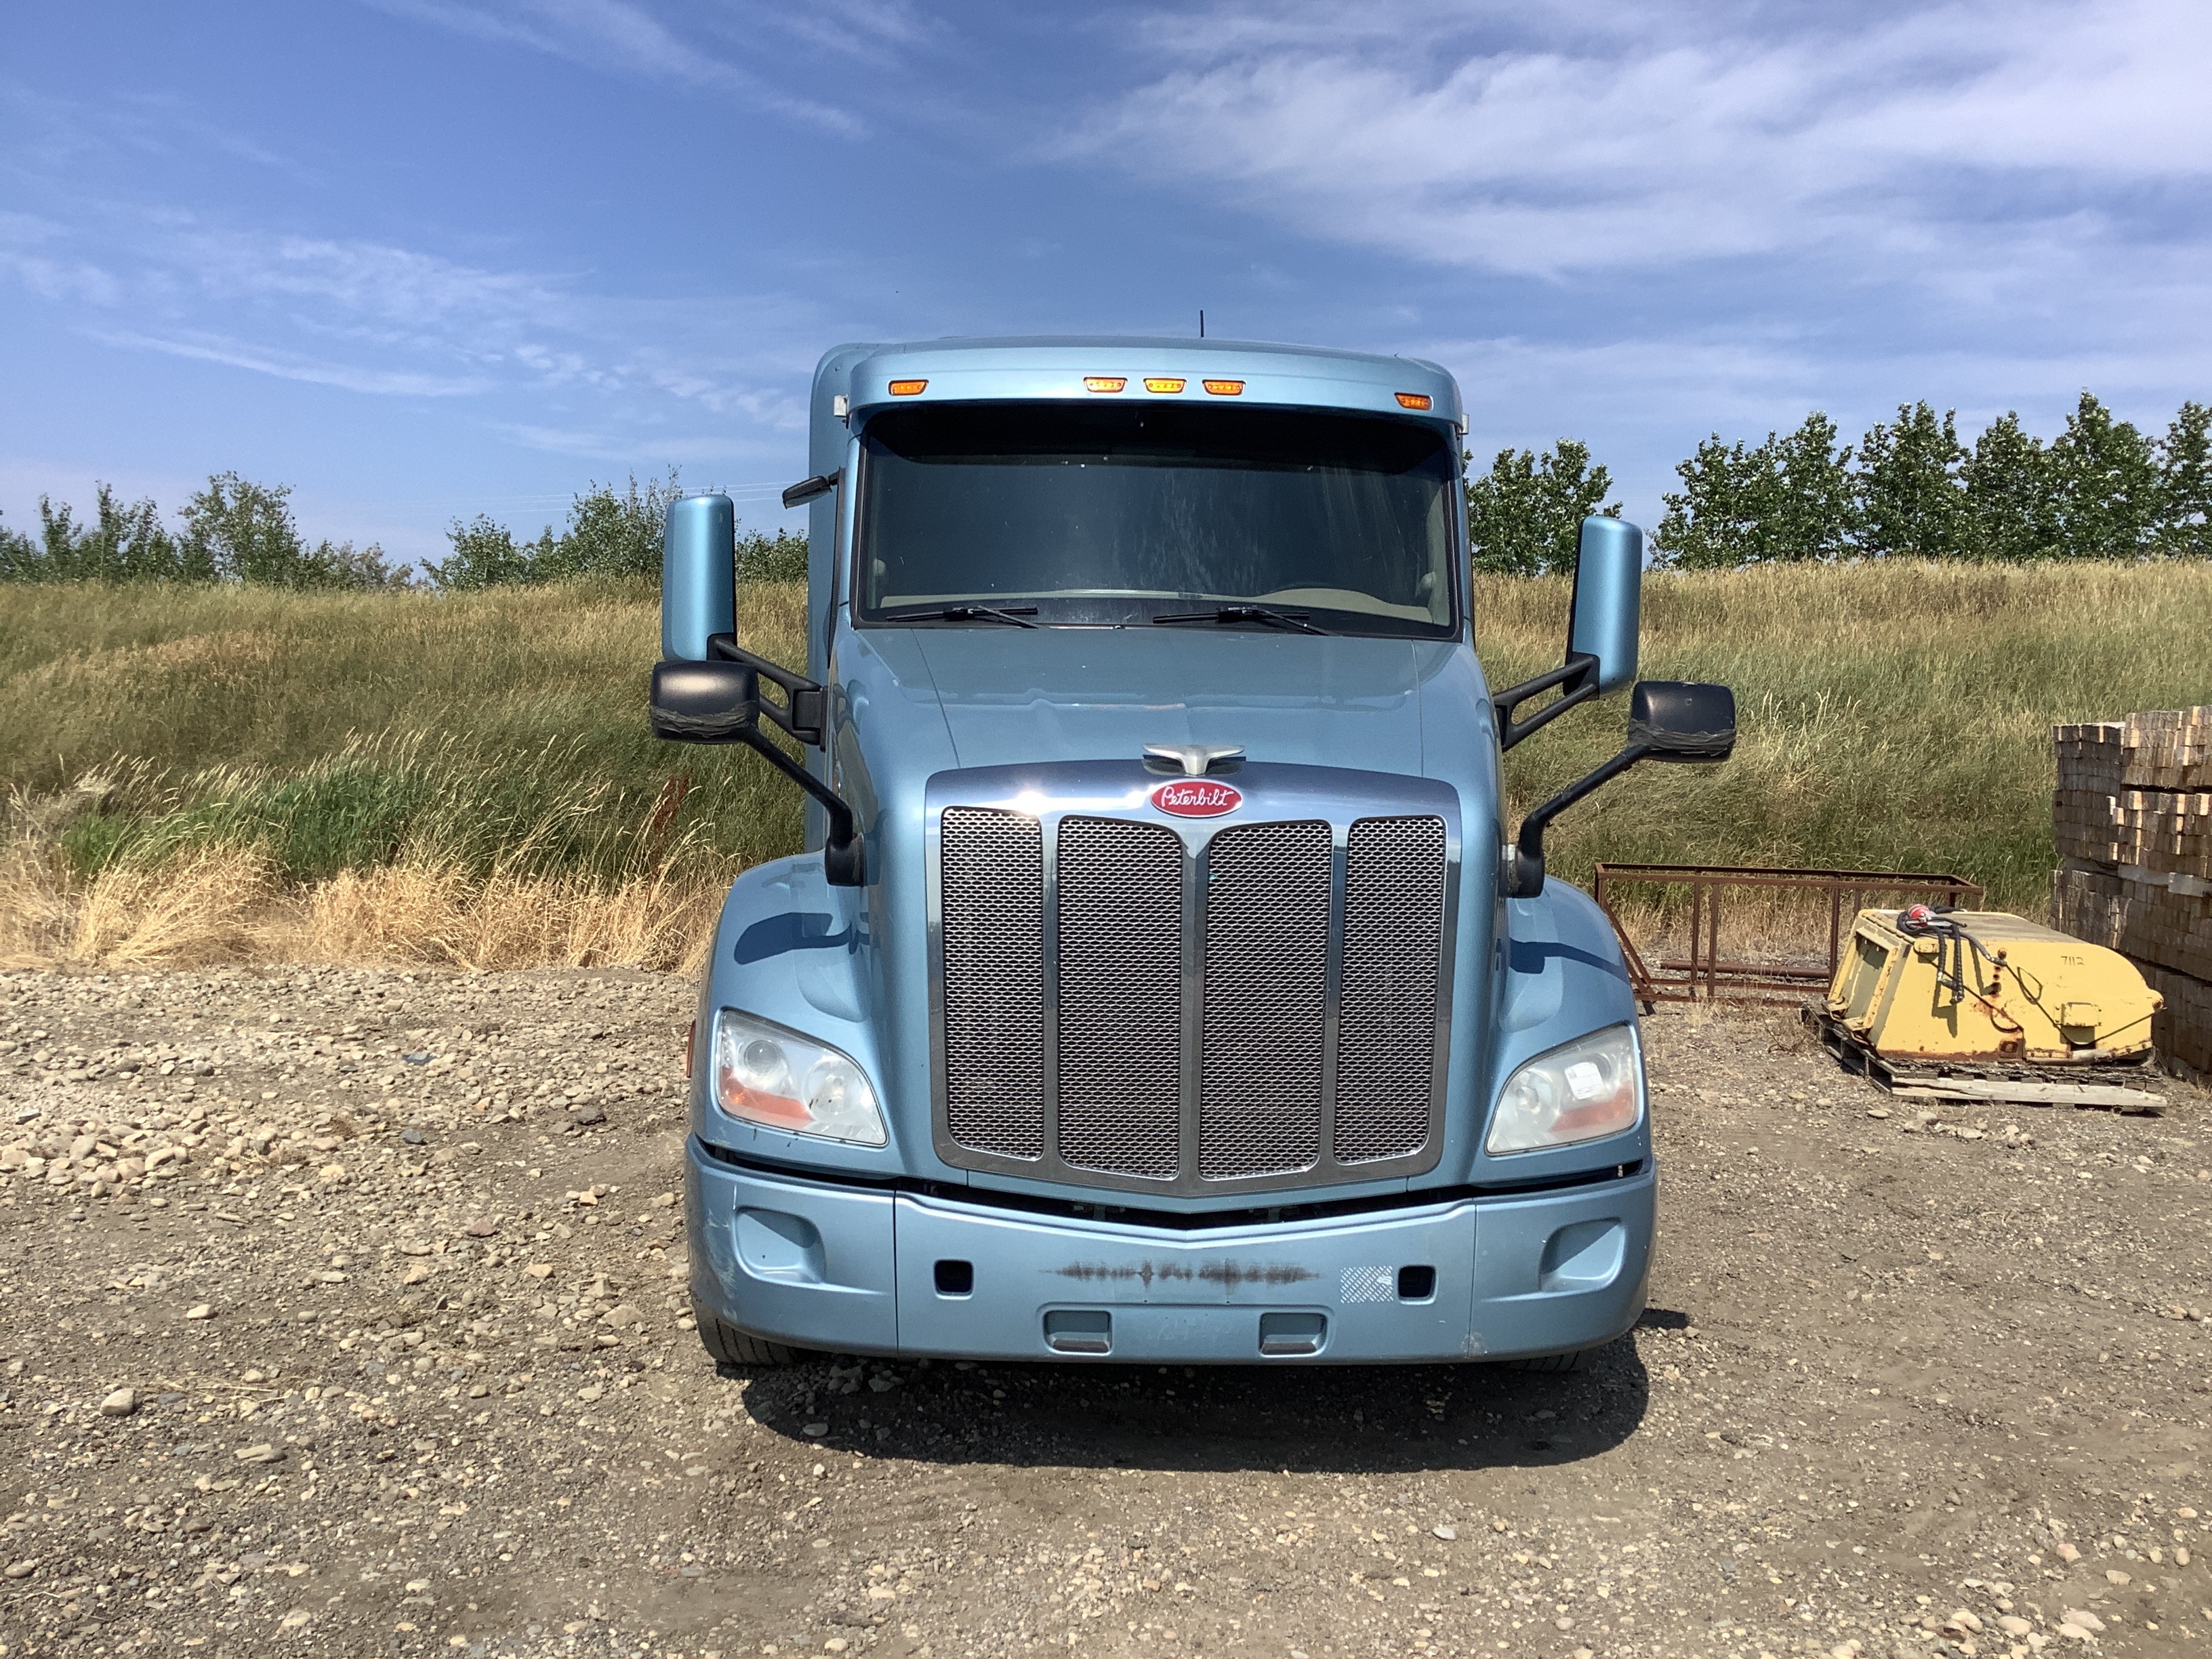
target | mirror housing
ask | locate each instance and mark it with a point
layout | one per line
(698, 576)
(1608, 603)
(1678, 720)
(704, 702)
(1682, 720)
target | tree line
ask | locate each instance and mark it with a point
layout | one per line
(236, 531)
(1911, 488)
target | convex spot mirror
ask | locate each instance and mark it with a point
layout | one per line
(704, 702)
(1682, 720)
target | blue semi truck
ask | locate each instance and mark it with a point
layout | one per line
(1161, 981)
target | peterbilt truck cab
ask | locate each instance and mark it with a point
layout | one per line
(1162, 980)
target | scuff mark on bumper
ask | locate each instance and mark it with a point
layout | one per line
(1226, 1274)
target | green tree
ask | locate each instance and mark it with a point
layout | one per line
(341, 564)
(2107, 482)
(2185, 484)
(244, 531)
(121, 543)
(19, 557)
(1911, 498)
(1524, 516)
(1715, 520)
(781, 557)
(485, 556)
(1788, 500)
(611, 533)
(1816, 514)
(2011, 495)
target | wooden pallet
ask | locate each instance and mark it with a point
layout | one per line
(2025, 1085)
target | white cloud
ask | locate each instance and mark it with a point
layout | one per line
(629, 38)
(1577, 140)
(291, 366)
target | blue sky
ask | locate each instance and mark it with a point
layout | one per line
(424, 258)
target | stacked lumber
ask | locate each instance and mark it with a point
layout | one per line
(2147, 921)
(2132, 821)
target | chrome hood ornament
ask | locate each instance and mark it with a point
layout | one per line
(1195, 760)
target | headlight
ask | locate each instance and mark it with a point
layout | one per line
(766, 1075)
(1591, 1088)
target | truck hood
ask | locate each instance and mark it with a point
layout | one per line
(1010, 695)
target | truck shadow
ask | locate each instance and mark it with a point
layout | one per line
(1318, 1419)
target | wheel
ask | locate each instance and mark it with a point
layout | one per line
(732, 1347)
(1553, 1364)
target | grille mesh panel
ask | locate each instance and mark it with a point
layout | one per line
(1266, 965)
(993, 889)
(1120, 997)
(1393, 913)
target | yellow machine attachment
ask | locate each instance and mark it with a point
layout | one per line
(1986, 988)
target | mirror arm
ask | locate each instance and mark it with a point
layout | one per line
(1577, 675)
(1524, 876)
(844, 854)
(805, 702)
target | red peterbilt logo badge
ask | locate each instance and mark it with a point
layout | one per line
(1197, 798)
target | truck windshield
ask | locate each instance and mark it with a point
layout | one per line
(1093, 515)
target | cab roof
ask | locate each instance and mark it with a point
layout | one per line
(1079, 367)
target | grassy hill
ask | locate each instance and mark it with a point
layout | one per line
(468, 778)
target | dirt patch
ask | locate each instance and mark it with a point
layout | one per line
(391, 1268)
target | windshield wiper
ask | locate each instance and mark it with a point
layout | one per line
(1237, 613)
(1014, 616)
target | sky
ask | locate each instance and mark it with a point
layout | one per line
(420, 259)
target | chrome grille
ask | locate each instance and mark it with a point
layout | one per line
(1121, 996)
(1267, 996)
(1393, 915)
(1124, 1002)
(993, 877)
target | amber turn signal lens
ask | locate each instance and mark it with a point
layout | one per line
(1412, 400)
(1225, 388)
(1104, 382)
(906, 388)
(1163, 384)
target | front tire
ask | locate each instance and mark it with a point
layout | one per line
(731, 1346)
(1555, 1364)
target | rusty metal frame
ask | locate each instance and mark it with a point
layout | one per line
(1705, 976)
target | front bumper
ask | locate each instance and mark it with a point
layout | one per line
(857, 1270)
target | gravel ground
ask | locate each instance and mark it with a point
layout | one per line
(343, 1312)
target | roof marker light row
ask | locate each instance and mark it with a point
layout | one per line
(1159, 383)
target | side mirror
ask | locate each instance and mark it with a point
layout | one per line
(1682, 720)
(1667, 721)
(1608, 604)
(1602, 624)
(698, 576)
(706, 689)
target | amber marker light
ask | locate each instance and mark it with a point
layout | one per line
(908, 388)
(1412, 400)
(1162, 383)
(1225, 388)
(1104, 382)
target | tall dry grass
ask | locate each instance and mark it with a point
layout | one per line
(1891, 715)
(224, 774)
